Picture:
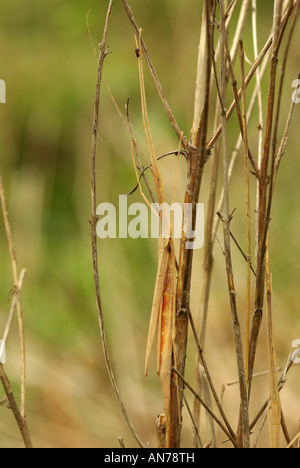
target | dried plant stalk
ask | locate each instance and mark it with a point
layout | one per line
(226, 218)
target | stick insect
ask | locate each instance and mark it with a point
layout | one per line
(163, 310)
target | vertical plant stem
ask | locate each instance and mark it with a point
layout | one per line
(245, 436)
(196, 162)
(248, 216)
(20, 419)
(263, 222)
(261, 116)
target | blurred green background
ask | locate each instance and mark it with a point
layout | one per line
(49, 67)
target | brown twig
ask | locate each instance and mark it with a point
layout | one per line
(18, 298)
(196, 158)
(245, 433)
(248, 207)
(19, 417)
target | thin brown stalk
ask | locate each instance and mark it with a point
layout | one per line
(19, 417)
(200, 381)
(102, 55)
(18, 297)
(245, 435)
(196, 157)
(260, 113)
(206, 282)
(248, 207)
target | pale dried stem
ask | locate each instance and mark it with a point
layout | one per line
(245, 436)
(248, 206)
